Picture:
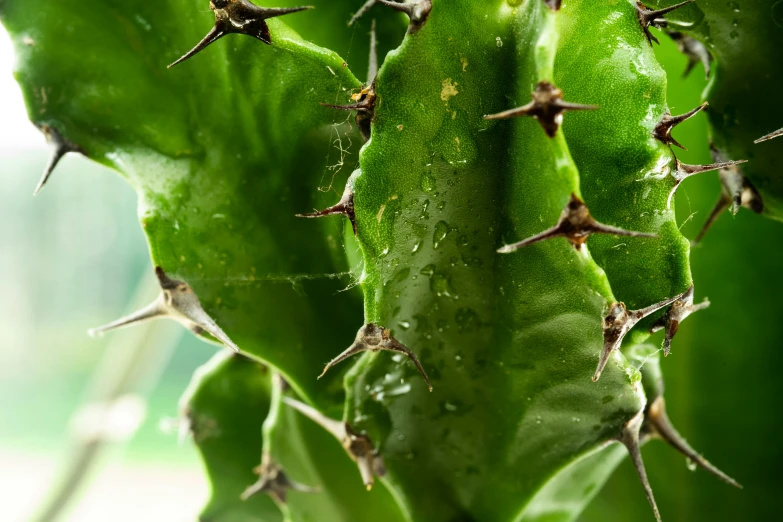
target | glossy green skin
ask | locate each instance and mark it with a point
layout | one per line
(515, 427)
(622, 167)
(223, 151)
(746, 40)
(510, 341)
(227, 403)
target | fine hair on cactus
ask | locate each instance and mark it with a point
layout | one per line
(431, 290)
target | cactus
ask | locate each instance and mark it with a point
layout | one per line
(510, 232)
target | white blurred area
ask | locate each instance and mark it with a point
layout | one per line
(16, 132)
(70, 259)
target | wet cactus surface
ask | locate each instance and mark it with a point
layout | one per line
(507, 228)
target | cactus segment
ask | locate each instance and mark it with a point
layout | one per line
(358, 446)
(769, 136)
(624, 172)
(683, 171)
(238, 17)
(509, 342)
(694, 50)
(225, 406)
(176, 301)
(653, 18)
(663, 131)
(547, 107)
(618, 322)
(61, 148)
(272, 479)
(677, 313)
(630, 438)
(575, 224)
(374, 338)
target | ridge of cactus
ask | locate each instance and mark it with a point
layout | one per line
(509, 224)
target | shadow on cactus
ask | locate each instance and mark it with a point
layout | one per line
(512, 254)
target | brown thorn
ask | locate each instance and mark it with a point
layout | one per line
(239, 17)
(630, 439)
(212, 36)
(176, 301)
(372, 66)
(676, 314)
(358, 446)
(663, 131)
(418, 11)
(61, 148)
(736, 192)
(547, 107)
(721, 205)
(769, 136)
(575, 224)
(343, 207)
(652, 17)
(362, 10)
(662, 427)
(273, 480)
(618, 322)
(694, 50)
(684, 170)
(374, 338)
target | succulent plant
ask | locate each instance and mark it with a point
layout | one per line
(510, 230)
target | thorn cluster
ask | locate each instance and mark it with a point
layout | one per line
(684, 170)
(273, 481)
(663, 131)
(343, 207)
(618, 322)
(238, 17)
(374, 338)
(575, 224)
(547, 107)
(653, 18)
(736, 192)
(694, 50)
(176, 301)
(677, 313)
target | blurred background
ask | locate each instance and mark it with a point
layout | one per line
(75, 257)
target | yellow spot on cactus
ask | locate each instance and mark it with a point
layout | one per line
(449, 90)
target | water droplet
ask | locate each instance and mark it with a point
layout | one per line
(498, 42)
(690, 464)
(404, 325)
(441, 231)
(416, 247)
(467, 320)
(428, 270)
(427, 182)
